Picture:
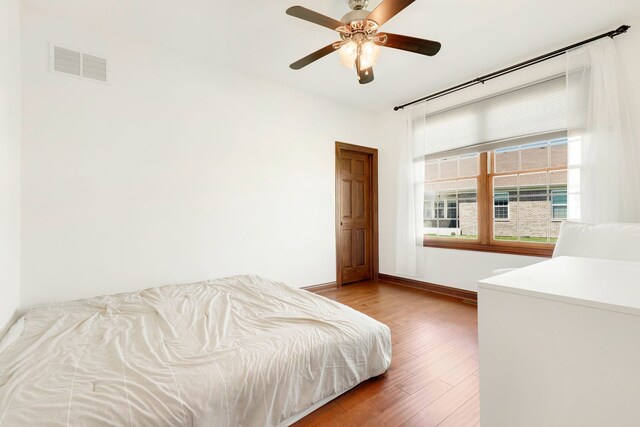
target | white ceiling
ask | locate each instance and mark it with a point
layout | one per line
(478, 36)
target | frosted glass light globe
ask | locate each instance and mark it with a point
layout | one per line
(369, 54)
(348, 54)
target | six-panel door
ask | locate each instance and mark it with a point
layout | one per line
(355, 216)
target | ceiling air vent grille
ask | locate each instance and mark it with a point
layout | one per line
(79, 64)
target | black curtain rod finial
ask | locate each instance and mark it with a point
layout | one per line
(621, 30)
(481, 80)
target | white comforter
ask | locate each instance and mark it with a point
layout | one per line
(241, 351)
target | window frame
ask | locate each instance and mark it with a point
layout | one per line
(486, 212)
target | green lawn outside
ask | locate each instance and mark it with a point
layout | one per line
(463, 236)
(501, 238)
(526, 239)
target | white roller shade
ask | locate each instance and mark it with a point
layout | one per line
(535, 109)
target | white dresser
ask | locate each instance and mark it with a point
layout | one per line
(560, 345)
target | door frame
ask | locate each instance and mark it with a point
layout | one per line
(373, 153)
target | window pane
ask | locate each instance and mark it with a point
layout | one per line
(559, 198)
(533, 180)
(559, 212)
(449, 168)
(452, 208)
(454, 211)
(505, 183)
(534, 156)
(507, 160)
(448, 227)
(559, 202)
(468, 211)
(505, 220)
(501, 199)
(502, 212)
(440, 209)
(501, 205)
(429, 212)
(467, 185)
(533, 208)
(430, 226)
(558, 153)
(558, 178)
(447, 186)
(450, 202)
(470, 165)
(539, 155)
(431, 170)
(537, 203)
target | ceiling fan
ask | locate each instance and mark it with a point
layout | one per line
(361, 41)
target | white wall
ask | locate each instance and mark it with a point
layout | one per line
(9, 161)
(176, 171)
(180, 170)
(463, 269)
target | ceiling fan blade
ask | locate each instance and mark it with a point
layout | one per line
(314, 17)
(411, 44)
(387, 10)
(321, 53)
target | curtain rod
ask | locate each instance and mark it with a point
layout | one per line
(481, 80)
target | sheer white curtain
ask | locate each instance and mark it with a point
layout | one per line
(410, 195)
(604, 159)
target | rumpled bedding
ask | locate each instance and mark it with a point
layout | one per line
(240, 351)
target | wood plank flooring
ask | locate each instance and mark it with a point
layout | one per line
(433, 379)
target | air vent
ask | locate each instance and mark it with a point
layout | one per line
(67, 61)
(94, 67)
(79, 64)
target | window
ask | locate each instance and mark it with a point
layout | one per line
(441, 216)
(521, 185)
(501, 206)
(559, 204)
(439, 204)
(496, 170)
(452, 209)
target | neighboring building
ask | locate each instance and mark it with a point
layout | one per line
(529, 195)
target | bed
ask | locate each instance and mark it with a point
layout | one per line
(240, 351)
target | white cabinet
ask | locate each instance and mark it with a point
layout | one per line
(560, 345)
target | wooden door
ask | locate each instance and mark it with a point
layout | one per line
(355, 214)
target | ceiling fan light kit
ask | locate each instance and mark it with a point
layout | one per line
(360, 42)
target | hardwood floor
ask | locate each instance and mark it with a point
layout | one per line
(433, 379)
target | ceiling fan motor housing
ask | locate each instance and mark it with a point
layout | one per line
(355, 15)
(358, 4)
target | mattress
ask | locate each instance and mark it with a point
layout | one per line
(240, 351)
